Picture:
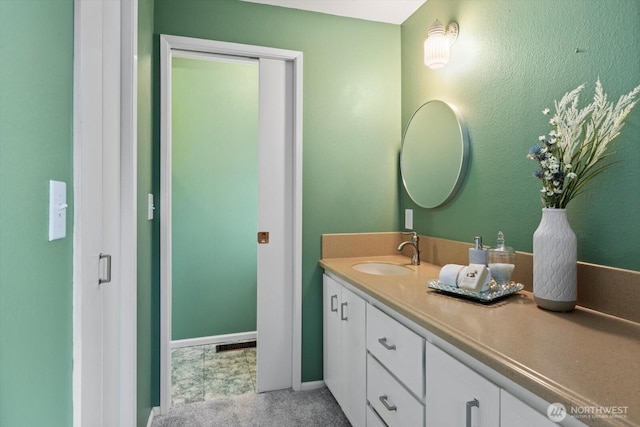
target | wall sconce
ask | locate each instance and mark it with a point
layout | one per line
(436, 46)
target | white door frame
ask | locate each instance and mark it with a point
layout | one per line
(167, 44)
(117, 116)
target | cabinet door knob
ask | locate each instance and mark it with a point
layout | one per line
(383, 341)
(342, 315)
(384, 400)
(470, 405)
(334, 298)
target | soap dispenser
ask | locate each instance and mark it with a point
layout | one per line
(501, 261)
(477, 255)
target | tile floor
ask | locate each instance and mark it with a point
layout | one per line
(199, 373)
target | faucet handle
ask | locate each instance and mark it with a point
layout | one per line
(414, 235)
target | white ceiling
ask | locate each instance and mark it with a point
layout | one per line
(391, 11)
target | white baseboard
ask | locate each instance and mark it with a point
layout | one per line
(311, 385)
(216, 339)
(152, 413)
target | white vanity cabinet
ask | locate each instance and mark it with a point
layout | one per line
(516, 413)
(344, 349)
(457, 395)
(386, 371)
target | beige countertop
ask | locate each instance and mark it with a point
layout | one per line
(580, 359)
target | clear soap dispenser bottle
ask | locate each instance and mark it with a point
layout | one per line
(501, 261)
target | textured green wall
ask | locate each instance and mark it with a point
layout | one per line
(214, 197)
(352, 127)
(36, 121)
(513, 59)
(148, 304)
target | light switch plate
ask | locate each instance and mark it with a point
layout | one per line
(150, 206)
(408, 219)
(57, 210)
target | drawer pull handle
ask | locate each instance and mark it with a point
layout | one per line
(342, 315)
(334, 298)
(383, 341)
(384, 401)
(470, 405)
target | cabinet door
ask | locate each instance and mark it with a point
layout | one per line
(515, 413)
(456, 395)
(354, 357)
(331, 337)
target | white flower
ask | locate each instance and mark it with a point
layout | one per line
(576, 148)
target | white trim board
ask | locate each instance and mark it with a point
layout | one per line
(152, 414)
(215, 339)
(312, 385)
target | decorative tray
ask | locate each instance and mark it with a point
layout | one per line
(488, 296)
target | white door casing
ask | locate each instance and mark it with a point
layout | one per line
(104, 315)
(280, 305)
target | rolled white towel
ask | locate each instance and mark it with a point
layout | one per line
(451, 274)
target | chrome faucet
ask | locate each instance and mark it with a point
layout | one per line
(415, 244)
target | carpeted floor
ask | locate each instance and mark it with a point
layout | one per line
(283, 408)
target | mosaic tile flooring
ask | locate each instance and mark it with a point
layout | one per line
(199, 373)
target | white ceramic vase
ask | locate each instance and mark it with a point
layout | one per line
(555, 256)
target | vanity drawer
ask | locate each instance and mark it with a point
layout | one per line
(373, 419)
(397, 348)
(395, 405)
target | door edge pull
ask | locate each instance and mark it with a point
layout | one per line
(108, 269)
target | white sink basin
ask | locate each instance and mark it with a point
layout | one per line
(382, 268)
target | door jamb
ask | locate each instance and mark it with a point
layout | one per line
(167, 43)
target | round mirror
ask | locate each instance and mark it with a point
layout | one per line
(434, 154)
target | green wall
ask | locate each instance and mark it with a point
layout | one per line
(352, 127)
(148, 303)
(512, 60)
(214, 197)
(36, 121)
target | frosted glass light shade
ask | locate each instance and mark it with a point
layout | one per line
(436, 46)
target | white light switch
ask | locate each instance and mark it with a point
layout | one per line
(408, 219)
(57, 210)
(150, 207)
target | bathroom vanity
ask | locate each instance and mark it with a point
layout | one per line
(399, 354)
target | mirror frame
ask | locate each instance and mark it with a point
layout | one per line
(463, 140)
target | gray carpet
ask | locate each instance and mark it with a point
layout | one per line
(277, 408)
